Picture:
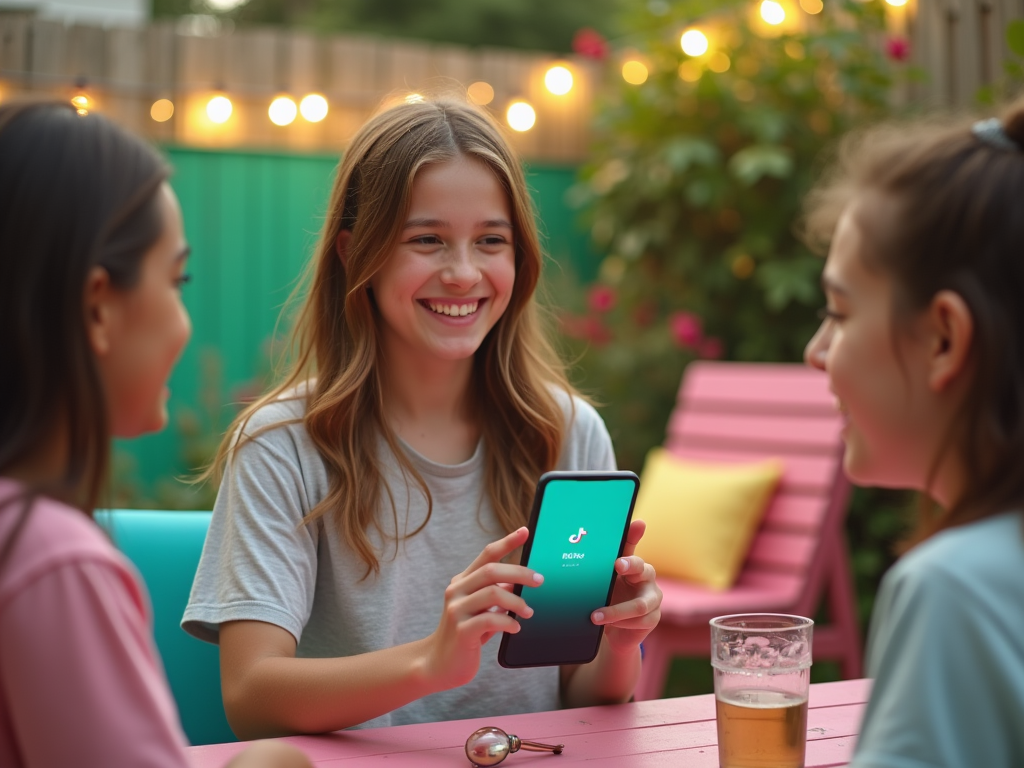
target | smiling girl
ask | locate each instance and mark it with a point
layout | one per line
(358, 566)
(923, 344)
(92, 260)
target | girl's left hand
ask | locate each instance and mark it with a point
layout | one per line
(636, 599)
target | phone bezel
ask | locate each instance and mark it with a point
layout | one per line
(538, 498)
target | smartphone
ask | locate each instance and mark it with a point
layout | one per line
(578, 528)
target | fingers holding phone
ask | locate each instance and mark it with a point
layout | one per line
(477, 603)
(635, 605)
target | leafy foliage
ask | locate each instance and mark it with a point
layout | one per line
(695, 186)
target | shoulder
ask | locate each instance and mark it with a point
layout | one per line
(973, 558)
(587, 444)
(286, 410)
(54, 535)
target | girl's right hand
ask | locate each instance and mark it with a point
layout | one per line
(476, 605)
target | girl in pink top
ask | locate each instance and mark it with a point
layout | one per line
(91, 264)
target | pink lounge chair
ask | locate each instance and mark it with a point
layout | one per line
(742, 412)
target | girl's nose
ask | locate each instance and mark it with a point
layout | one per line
(461, 269)
(816, 351)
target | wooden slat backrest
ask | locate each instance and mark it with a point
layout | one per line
(735, 413)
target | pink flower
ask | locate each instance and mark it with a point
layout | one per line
(586, 328)
(898, 48)
(590, 43)
(686, 329)
(601, 298)
(711, 348)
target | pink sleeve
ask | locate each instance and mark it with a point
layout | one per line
(81, 675)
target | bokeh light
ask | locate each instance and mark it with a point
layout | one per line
(634, 72)
(896, 3)
(813, 6)
(520, 116)
(558, 80)
(480, 93)
(690, 71)
(81, 103)
(219, 109)
(282, 111)
(772, 12)
(719, 62)
(313, 107)
(694, 42)
(162, 110)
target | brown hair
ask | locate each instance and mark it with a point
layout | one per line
(955, 206)
(336, 341)
(77, 192)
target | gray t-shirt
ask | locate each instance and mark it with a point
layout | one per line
(947, 652)
(260, 563)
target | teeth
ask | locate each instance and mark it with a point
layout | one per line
(453, 310)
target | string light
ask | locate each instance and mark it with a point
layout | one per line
(219, 109)
(558, 80)
(521, 116)
(634, 72)
(772, 12)
(480, 93)
(313, 107)
(81, 103)
(162, 110)
(282, 111)
(694, 42)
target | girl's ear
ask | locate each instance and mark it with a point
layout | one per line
(341, 245)
(99, 310)
(952, 328)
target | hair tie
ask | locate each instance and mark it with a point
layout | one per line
(991, 132)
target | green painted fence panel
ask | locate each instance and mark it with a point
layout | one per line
(253, 220)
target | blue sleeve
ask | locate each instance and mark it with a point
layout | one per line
(948, 674)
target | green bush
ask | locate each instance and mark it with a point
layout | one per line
(693, 194)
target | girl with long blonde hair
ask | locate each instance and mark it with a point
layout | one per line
(355, 571)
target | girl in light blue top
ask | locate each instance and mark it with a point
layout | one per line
(923, 343)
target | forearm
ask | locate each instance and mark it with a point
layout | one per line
(608, 679)
(284, 695)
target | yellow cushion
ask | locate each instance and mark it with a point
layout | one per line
(701, 518)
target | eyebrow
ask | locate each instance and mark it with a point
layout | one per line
(441, 224)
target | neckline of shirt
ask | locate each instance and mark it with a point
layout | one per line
(431, 467)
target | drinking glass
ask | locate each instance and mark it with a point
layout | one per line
(762, 667)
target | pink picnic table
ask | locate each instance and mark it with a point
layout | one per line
(645, 734)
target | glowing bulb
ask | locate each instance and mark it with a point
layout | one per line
(558, 80)
(634, 72)
(694, 42)
(218, 109)
(313, 107)
(81, 103)
(896, 3)
(414, 98)
(520, 116)
(480, 93)
(162, 110)
(282, 111)
(772, 12)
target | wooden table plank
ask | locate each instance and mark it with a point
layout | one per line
(649, 733)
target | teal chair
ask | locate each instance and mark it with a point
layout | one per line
(165, 547)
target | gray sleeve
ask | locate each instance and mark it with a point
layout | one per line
(259, 560)
(945, 677)
(588, 445)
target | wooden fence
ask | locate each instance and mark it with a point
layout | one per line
(124, 71)
(960, 44)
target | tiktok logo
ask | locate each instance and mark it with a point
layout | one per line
(576, 538)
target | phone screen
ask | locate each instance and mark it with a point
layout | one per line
(577, 531)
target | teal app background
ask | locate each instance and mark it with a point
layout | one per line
(577, 574)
